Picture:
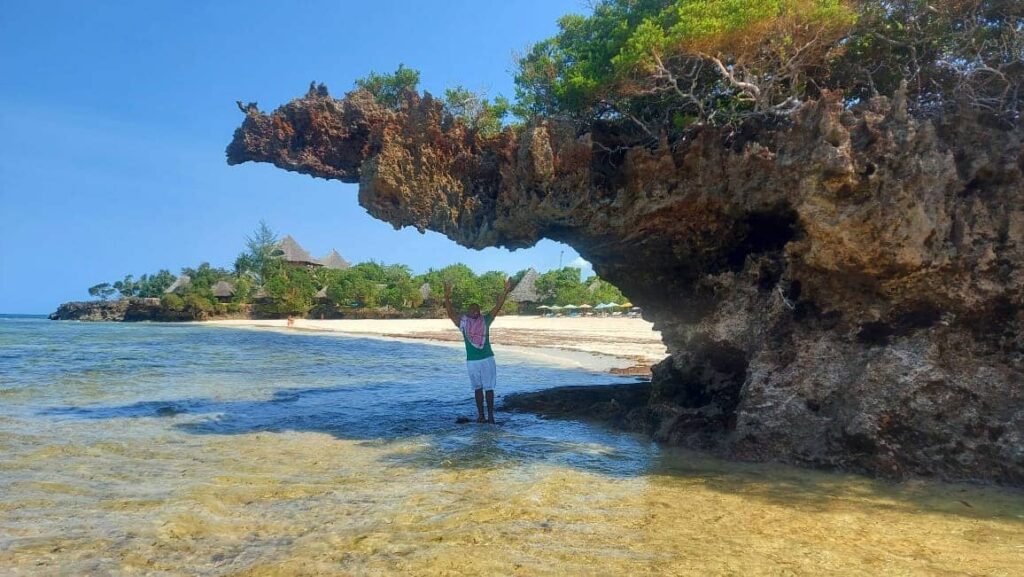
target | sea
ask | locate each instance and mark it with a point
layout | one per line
(187, 449)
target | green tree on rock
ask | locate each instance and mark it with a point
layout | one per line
(391, 89)
(153, 286)
(483, 115)
(665, 67)
(127, 286)
(103, 291)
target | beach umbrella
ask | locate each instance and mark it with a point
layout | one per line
(570, 307)
(625, 305)
(545, 307)
(604, 306)
(556, 308)
(586, 306)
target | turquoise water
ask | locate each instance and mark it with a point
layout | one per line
(152, 449)
(213, 381)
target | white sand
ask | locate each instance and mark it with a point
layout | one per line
(622, 342)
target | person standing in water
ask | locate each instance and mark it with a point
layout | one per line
(476, 332)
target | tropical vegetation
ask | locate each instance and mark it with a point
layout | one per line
(264, 284)
(668, 67)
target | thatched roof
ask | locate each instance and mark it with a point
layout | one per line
(292, 251)
(224, 289)
(181, 283)
(526, 290)
(261, 293)
(321, 294)
(335, 261)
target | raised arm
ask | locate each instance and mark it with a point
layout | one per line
(448, 303)
(501, 299)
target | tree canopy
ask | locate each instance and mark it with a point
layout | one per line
(468, 287)
(665, 65)
(266, 285)
(390, 88)
(475, 110)
(565, 287)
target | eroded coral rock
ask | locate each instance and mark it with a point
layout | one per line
(842, 290)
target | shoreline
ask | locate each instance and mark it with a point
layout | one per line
(619, 346)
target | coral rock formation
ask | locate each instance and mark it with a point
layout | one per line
(840, 290)
(131, 309)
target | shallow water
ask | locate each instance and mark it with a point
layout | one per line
(189, 450)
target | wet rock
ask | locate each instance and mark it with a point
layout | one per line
(624, 406)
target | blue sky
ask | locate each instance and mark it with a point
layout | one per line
(114, 118)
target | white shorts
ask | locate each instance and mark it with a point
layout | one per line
(483, 374)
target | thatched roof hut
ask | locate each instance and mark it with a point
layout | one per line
(334, 261)
(321, 294)
(180, 284)
(293, 253)
(526, 289)
(224, 290)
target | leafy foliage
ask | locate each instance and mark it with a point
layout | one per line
(564, 287)
(126, 287)
(172, 302)
(198, 297)
(475, 110)
(371, 284)
(261, 252)
(292, 290)
(390, 88)
(102, 290)
(602, 291)
(289, 289)
(667, 65)
(468, 287)
(947, 53)
(155, 285)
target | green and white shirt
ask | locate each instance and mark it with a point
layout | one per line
(474, 353)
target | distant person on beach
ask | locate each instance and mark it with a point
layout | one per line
(291, 321)
(476, 332)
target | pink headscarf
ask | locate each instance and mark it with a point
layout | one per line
(475, 330)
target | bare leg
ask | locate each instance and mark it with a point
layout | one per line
(479, 394)
(490, 407)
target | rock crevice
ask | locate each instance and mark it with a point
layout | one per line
(842, 290)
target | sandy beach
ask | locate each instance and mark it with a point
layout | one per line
(622, 345)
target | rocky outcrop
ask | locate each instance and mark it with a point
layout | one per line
(844, 289)
(623, 406)
(128, 310)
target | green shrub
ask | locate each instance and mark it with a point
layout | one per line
(390, 89)
(172, 302)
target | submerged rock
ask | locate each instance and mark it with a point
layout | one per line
(844, 289)
(623, 406)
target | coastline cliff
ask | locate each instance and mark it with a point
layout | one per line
(842, 290)
(126, 310)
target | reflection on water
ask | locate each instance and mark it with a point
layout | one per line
(180, 450)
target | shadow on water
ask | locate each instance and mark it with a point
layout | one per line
(423, 431)
(424, 435)
(407, 397)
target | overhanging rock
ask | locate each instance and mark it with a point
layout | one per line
(845, 290)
